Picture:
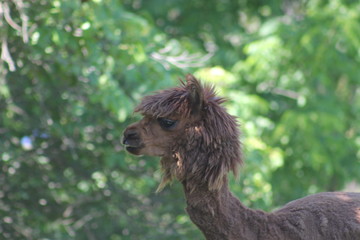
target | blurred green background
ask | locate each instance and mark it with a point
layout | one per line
(72, 71)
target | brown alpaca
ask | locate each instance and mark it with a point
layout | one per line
(198, 142)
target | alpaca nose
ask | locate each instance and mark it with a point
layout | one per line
(130, 134)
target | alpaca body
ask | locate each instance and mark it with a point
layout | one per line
(323, 216)
(198, 142)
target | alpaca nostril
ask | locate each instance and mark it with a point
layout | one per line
(132, 135)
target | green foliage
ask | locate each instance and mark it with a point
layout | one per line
(71, 73)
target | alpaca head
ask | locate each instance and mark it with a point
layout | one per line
(197, 140)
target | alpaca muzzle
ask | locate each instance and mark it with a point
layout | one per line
(132, 141)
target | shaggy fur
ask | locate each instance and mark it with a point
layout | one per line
(209, 134)
(199, 150)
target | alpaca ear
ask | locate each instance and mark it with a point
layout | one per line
(196, 93)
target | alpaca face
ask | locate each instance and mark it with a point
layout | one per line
(152, 136)
(166, 115)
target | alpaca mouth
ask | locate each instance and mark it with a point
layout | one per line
(133, 150)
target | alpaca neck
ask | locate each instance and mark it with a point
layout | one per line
(220, 215)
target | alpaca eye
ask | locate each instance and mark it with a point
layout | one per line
(166, 123)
